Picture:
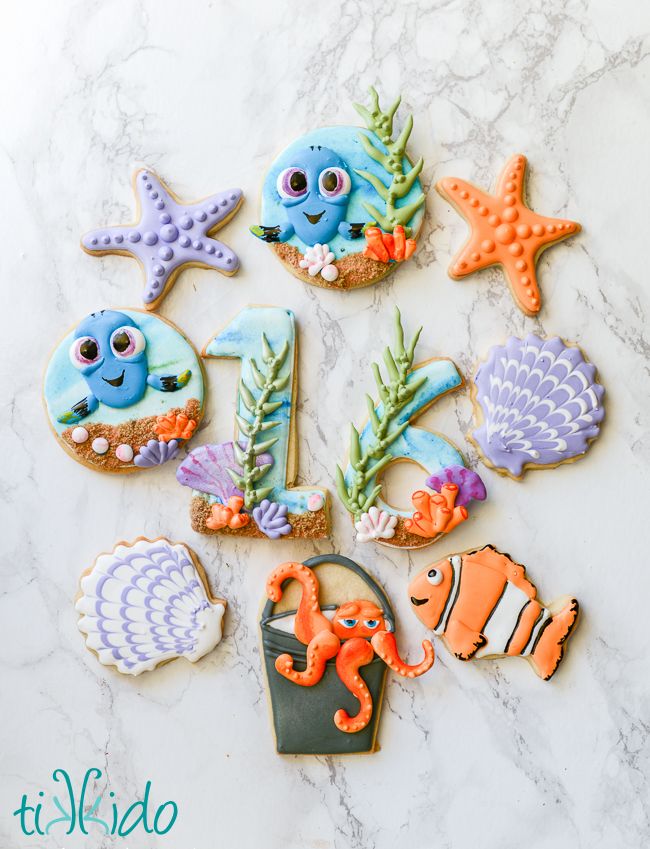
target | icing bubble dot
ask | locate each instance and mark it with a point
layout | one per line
(537, 229)
(494, 220)
(550, 228)
(197, 245)
(212, 208)
(119, 239)
(93, 241)
(525, 280)
(165, 252)
(464, 194)
(505, 234)
(233, 197)
(219, 254)
(148, 186)
(229, 261)
(315, 502)
(523, 231)
(475, 257)
(124, 453)
(224, 202)
(482, 210)
(79, 435)
(168, 232)
(209, 249)
(106, 240)
(453, 186)
(509, 200)
(153, 195)
(510, 214)
(158, 270)
(510, 186)
(150, 238)
(200, 216)
(145, 177)
(100, 445)
(186, 222)
(184, 241)
(165, 218)
(473, 202)
(520, 265)
(516, 249)
(488, 246)
(160, 204)
(134, 236)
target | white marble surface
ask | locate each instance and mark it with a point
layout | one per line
(471, 755)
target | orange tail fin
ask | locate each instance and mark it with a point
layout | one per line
(549, 651)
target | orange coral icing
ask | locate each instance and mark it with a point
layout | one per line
(385, 247)
(435, 514)
(504, 231)
(228, 515)
(174, 426)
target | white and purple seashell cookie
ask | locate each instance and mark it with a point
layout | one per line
(539, 404)
(146, 603)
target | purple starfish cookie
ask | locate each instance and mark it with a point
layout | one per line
(169, 235)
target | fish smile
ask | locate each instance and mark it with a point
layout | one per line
(314, 219)
(418, 601)
(115, 381)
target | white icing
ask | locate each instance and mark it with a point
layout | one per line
(503, 620)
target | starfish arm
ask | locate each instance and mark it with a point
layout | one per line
(521, 274)
(512, 179)
(470, 258)
(210, 213)
(108, 240)
(217, 255)
(546, 231)
(150, 189)
(469, 200)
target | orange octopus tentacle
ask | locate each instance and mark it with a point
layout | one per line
(309, 619)
(385, 644)
(323, 647)
(354, 653)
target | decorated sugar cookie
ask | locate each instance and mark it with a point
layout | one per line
(245, 486)
(146, 603)
(538, 404)
(123, 390)
(342, 206)
(169, 235)
(389, 437)
(331, 618)
(482, 605)
(504, 231)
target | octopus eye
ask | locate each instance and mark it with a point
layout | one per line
(434, 577)
(348, 623)
(84, 351)
(334, 182)
(291, 183)
(127, 342)
(371, 623)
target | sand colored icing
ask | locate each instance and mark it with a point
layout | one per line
(311, 525)
(355, 270)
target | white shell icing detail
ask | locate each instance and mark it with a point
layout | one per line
(318, 260)
(100, 445)
(375, 524)
(79, 435)
(124, 453)
(144, 604)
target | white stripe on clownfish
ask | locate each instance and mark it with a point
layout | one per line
(456, 563)
(502, 622)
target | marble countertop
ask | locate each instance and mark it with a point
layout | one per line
(206, 93)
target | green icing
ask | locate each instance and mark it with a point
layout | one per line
(380, 125)
(259, 409)
(394, 396)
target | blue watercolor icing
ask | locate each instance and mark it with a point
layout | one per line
(429, 450)
(168, 352)
(345, 142)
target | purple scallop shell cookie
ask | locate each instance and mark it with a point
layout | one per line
(540, 404)
(470, 486)
(205, 469)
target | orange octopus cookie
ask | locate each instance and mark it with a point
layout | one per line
(504, 231)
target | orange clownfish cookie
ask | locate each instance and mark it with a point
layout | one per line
(482, 605)
(504, 231)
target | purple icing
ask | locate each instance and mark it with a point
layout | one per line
(156, 453)
(470, 486)
(271, 519)
(140, 239)
(205, 469)
(540, 403)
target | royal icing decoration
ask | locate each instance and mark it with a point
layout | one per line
(106, 374)
(504, 231)
(538, 404)
(335, 186)
(169, 235)
(246, 486)
(146, 603)
(388, 437)
(351, 634)
(482, 605)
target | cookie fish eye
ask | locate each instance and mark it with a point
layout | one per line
(127, 342)
(334, 182)
(434, 577)
(84, 351)
(371, 623)
(348, 623)
(291, 183)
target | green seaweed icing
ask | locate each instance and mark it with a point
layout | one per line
(394, 396)
(259, 409)
(380, 125)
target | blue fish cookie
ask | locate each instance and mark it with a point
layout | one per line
(123, 390)
(341, 206)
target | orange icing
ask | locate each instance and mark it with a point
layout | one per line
(435, 514)
(504, 231)
(385, 645)
(385, 247)
(174, 426)
(228, 515)
(354, 653)
(319, 651)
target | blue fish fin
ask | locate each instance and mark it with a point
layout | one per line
(351, 230)
(273, 234)
(79, 411)
(169, 382)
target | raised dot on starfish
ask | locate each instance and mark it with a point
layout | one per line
(169, 235)
(504, 231)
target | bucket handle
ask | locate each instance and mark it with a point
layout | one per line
(267, 613)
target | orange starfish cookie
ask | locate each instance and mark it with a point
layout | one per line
(504, 231)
